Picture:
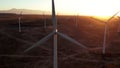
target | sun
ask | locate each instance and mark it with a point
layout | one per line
(100, 7)
(89, 7)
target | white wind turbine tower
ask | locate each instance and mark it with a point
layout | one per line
(55, 33)
(19, 21)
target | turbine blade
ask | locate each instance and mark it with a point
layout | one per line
(72, 40)
(108, 19)
(97, 20)
(113, 16)
(40, 42)
(54, 15)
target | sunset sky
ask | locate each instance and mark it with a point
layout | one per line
(81, 7)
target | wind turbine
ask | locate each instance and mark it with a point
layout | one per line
(105, 31)
(19, 21)
(105, 37)
(44, 17)
(118, 26)
(76, 20)
(55, 33)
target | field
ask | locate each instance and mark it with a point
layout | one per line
(84, 29)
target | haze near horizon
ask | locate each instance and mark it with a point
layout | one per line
(67, 7)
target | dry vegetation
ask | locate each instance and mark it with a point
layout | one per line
(88, 32)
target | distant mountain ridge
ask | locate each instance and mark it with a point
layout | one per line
(24, 11)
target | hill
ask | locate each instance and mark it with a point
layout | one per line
(24, 11)
(84, 29)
